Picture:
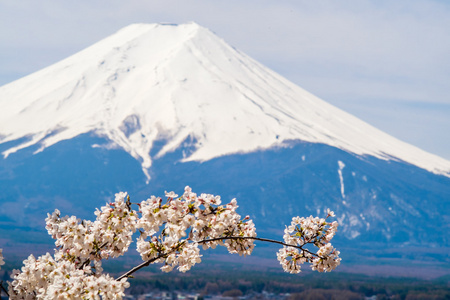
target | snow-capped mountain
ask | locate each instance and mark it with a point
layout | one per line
(151, 82)
(156, 107)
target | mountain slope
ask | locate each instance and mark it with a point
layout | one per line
(151, 82)
(388, 211)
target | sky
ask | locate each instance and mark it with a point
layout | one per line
(386, 62)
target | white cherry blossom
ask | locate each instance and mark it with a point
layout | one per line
(311, 231)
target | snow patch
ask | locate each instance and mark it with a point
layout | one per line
(341, 178)
(354, 234)
(404, 205)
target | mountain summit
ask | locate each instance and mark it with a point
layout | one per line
(181, 84)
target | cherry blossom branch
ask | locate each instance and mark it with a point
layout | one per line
(162, 255)
(148, 262)
(142, 265)
(257, 239)
(198, 219)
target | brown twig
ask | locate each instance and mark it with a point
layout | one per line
(257, 239)
(2, 288)
(142, 265)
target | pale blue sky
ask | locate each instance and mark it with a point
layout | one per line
(387, 62)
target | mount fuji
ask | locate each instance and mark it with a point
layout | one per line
(156, 107)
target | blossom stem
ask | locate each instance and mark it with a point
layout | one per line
(88, 261)
(4, 289)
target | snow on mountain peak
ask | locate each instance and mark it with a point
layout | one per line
(151, 82)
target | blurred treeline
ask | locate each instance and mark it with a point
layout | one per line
(261, 282)
(305, 286)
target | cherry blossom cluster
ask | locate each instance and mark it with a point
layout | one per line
(171, 232)
(309, 231)
(108, 236)
(57, 278)
(75, 269)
